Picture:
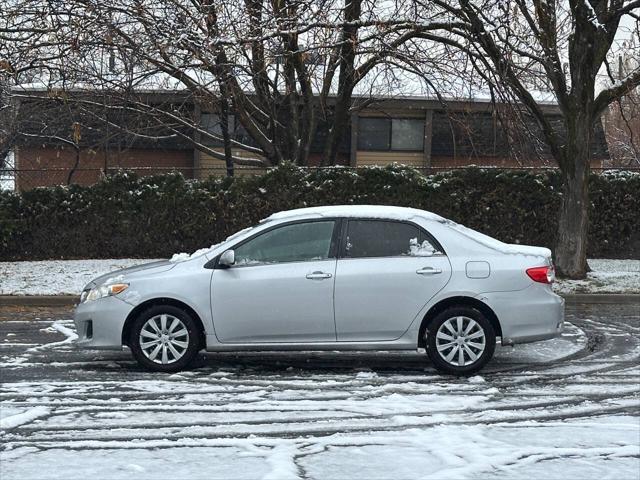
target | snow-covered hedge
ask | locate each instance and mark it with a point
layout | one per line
(126, 216)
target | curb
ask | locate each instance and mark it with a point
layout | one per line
(72, 300)
(39, 300)
(602, 298)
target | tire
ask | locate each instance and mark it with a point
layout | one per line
(443, 347)
(170, 345)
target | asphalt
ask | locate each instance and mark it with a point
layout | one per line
(98, 414)
(23, 327)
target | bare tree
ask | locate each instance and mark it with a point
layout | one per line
(622, 120)
(523, 46)
(281, 67)
(622, 130)
(8, 126)
(26, 55)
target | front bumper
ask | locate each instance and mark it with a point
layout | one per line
(99, 323)
(529, 315)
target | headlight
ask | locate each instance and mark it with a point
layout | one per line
(103, 291)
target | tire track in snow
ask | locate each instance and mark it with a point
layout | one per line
(308, 402)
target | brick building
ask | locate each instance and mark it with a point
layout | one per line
(61, 144)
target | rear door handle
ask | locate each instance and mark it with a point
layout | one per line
(428, 271)
(318, 275)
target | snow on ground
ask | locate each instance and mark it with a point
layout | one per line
(60, 277)
(442, 452)
(607, 276)
(19, 418)
(565, 408)
(56, 277)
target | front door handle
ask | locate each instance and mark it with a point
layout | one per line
(318, 275)
(428, 271)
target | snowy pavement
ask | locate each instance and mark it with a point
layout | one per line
(68, 277)
(565, 408)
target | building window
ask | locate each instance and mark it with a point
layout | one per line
(407, 134)
(395, 134)
(211, 123)
(374, 133)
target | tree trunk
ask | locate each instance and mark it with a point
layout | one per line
(75, 165)
(224, 126)
(346, 82)
(573, 227)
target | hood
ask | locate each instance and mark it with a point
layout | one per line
(125, 273)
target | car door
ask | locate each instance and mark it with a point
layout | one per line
(280, 288)
(387, 271)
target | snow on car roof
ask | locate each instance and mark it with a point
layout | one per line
(368, 211)
(406, 213)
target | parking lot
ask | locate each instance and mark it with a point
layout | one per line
(565, 408)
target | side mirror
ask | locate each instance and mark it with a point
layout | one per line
(227, 259)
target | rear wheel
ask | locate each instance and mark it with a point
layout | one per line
(164, 338)
(460, 341)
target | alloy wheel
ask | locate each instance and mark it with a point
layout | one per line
(460, 341)
(164, 339)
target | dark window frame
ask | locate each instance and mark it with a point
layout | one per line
(342, 253)
(333, 248)
(390, 120)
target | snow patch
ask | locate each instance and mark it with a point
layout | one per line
(367, 211)
(182, 257)
(58, 327)
(366, 375)
(424, 249)
(281, 460)
(476, 379)
(606, 276)
(13, 421)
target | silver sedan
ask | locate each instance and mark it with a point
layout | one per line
(330, 278)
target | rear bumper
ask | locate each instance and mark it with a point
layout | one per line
(99, 323)
(529, 315)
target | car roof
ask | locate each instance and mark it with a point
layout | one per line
(358, 211)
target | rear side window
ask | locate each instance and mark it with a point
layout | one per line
(375, 238)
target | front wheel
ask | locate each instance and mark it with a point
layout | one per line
(460, 341)
(164, 338)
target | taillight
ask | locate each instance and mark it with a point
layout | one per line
(542, 274)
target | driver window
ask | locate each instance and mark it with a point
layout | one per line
(299, 242)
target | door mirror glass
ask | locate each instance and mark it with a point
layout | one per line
(227, 259)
